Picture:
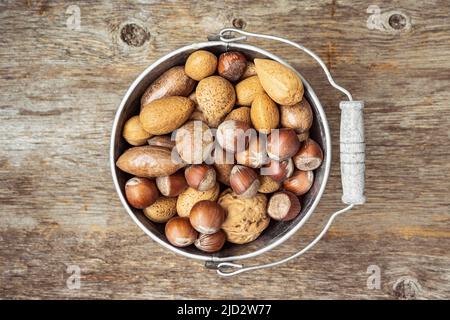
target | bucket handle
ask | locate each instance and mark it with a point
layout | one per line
(352, 153)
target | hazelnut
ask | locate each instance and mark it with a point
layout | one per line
(179, 232)
(282, 144)
(232, 135)
(211, 242)
(164, 141)
(278, 170)
(309, 157)
(255, 155)
(133, 132)
(244, 181)
(231, 65)
(207, 216)
(200, 177)
(173, 185)
(141, 192)
(298, 116)
(300, 182)
(283, 206)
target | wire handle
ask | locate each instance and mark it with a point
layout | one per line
(352, 153)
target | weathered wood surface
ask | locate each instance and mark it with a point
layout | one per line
(60, 86)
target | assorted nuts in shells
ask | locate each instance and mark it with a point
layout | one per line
(220, 147)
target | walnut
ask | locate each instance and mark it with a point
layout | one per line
(246, 217)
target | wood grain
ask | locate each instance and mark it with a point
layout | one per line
(60, 90)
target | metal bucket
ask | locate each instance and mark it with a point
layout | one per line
(277, 232)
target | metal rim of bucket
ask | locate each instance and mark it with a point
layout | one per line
(326, 162)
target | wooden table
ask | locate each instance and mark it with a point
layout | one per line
(61, 83)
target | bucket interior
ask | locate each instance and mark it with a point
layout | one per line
(277, 232)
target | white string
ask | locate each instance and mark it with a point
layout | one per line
(222, 267)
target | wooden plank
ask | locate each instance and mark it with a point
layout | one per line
(60, 89)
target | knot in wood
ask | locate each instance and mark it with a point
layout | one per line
(134, 35)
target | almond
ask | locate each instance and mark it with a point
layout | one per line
(215, 97)
(190, 196)
(133, 132)
(247, 89)
(165, 115)
(162, 209)
(241, 114)
(280, 82)
(264, 113)
(200, 64)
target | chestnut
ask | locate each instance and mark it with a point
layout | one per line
(173, 185)
(231, 65)
(244, 181)
(300, 182)
(232, 135)
(207, 216)
(283, 206)
(201, 177)
(211, 242)
(179, 232)
(278, 170)
(255, 155)
(309, 156)
(282, 144)
(141, 192)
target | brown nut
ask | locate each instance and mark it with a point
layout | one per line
(282, 144)
(173, 185)
(173, 82)
(246, 217)
(247, 89)
(281, 83)
(278, 170)
(244, 181)
(233, 135)
(303, 136)
(164, 141)
(215, 97)
(133, 132)
(211, 242)
(264, 113)
(255, 155)
(148, 161)
(200, 177)
(164, 115)
(162, 209)
(223, 163)
(241, 114)
(189, 197)
(268, 185)
(207, 216)
(298, 116)
(309, 156)
(179, 232)
(283, 206)
(231, 65)
(194, 142)
(200, 64)
(300, 182)
(249, 71)
(141, 192)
